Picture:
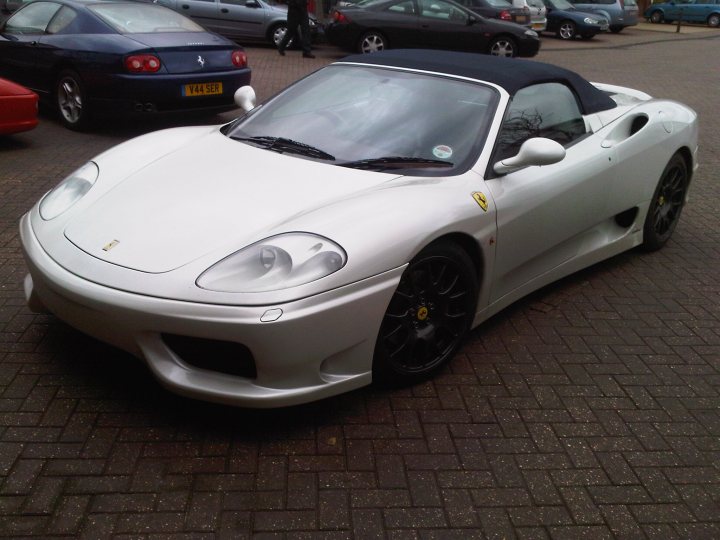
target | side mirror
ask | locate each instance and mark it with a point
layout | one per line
(471, 20)
(535, 151)
(252, 4)
(245, 98)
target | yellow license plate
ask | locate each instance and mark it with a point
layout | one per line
(202, 89)
(537, 26)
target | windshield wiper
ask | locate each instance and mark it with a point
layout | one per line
(281, 145)
(396, 162)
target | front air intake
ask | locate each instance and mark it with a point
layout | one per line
(226, 357)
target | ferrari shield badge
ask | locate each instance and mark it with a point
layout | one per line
(481, 199)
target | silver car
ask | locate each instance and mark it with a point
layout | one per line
(354, 227)
(239, 20)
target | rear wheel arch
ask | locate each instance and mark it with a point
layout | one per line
(687, 156)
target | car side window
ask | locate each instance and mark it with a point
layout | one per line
(406, 7)
(547, 110)
(61, 20)
(438, 9)
(33, 19)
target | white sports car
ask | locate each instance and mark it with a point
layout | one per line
(356, 225)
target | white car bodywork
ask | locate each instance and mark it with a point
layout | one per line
(172, 204)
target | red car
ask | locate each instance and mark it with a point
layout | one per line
(18, 108)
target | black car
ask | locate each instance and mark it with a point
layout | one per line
(89, 56)
(566, 22)
(374, 25)
(497, 9)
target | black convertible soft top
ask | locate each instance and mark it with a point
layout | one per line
(512, 74)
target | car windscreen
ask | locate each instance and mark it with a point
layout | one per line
(130, 18)
(500, 3)
(354, 113)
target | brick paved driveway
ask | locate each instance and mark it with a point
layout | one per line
(589, 410)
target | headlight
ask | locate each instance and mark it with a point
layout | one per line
(69, 191)
(531, 33)
(278, 262)
(588, 20)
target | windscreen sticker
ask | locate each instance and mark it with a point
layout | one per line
(481, 199)
(442, 151)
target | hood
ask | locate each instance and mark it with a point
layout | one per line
(209, 194)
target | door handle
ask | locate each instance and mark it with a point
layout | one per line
(185, 6)
(224, 10)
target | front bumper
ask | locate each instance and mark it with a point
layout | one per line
(320, 346)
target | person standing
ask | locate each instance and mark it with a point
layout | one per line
(297, 17)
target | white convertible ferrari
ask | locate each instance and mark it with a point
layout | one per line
(356, 225)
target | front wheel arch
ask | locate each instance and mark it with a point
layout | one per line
(428, 316)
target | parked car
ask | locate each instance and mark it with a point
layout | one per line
(246, 20)
(355, 226)
(498, 9)
(535, 10)
(707, 11)
(619, 13)
(122, 57)
(18, 108)
(567, 22)
(375, 25)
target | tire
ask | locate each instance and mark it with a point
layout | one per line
(616, 28)
(666, 204)
(567, 30)
(371, 42)
(714, 20)
(656, 17)
(428, 316)
(503, 46)
(71, 101)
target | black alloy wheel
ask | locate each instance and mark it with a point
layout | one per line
(428, 316)
(666, 205)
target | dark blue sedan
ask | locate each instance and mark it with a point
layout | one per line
(92, 56)
(566, 22)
